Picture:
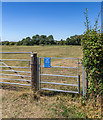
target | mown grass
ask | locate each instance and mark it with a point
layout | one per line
(18, 102)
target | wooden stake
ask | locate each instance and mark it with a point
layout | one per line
(34, 81)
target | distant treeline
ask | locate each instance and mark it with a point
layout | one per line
(46, 40)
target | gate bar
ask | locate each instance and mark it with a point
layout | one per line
(13, 71)
(15, 83)
(14, 79)
(15, 67)
(78, 77)
(60, 58)
(16, 71)
(79, 84)
(14, 60)
(59, 75)
(59, 83)
(58, 90)
(60, 67)
(14, 75)
(83, 80)
(15, 52)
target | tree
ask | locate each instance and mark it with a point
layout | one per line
(42, 39)
(37, 37)
(75, 40)
(33, 40)
(19, 43)
(11, 43)
(27, 41)
(62, 42)
(51, 39)
(68, 41)
(7, 43)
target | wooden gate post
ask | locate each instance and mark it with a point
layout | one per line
(34, 80)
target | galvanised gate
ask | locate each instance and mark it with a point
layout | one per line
(34, 74)
(15, 70)
(47, 65)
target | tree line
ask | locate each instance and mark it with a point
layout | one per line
(46, 40)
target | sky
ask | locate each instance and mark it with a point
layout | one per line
(60, 19)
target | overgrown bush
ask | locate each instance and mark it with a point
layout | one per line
(92, 44)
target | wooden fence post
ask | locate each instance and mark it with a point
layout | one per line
(34, 80)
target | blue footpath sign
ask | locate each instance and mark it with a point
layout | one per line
(47, 62)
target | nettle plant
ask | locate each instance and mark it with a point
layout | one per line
(92, 45)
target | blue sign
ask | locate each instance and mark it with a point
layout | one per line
(47, 62)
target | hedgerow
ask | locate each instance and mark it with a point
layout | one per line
(92, 45)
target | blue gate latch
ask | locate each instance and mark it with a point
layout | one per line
(47, 62)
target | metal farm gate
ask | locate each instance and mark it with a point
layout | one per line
(19, 72)
(29, 72)
(47, 65)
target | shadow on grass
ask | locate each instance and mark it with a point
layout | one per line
(54, 93)
(40, 92)
(13, 87)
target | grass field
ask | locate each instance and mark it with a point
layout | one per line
(18, 102)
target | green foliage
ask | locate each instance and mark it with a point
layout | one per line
(46, 40)
(71, 111)
(74, 40)
(62, 42)
(11, 43)
(5, 43)
(92, 44)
